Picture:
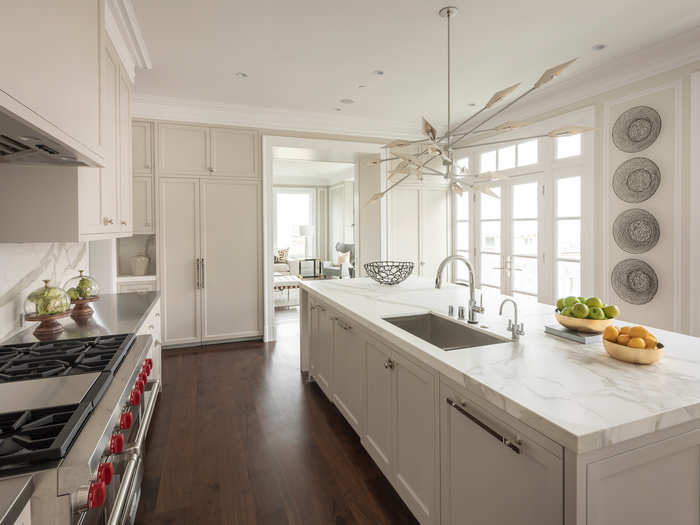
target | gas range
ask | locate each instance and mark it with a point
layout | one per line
(74, 413)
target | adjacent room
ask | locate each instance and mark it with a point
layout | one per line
(395, 262)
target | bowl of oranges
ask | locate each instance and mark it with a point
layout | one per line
(632, 344)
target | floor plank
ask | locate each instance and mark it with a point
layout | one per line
(240, 437)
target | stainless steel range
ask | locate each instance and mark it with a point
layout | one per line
(75, 413)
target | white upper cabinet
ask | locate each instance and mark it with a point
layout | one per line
(142, 136)
(233, 152)
(184, 149)
(50, 66)
(143, 204)
(126, 223)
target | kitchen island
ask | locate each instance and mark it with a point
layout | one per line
(592, 434)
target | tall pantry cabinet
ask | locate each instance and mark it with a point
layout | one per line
(209, 233)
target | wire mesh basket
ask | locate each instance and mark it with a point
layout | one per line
(389, 272)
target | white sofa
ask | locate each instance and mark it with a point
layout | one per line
(286, 298)
(291, 267)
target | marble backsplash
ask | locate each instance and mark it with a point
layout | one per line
(22, 268)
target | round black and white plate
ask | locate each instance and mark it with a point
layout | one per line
(636, 129)
(636, 180)
(634, 281)
(636, 231)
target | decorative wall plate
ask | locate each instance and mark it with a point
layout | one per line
(636, 129)
(636, 231)
(634, 281)
(636, 180)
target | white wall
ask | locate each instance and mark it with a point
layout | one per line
(23, 266)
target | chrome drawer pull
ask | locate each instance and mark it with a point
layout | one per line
(513, 445)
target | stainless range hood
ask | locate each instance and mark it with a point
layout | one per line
(21, 143)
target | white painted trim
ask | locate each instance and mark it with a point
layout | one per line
(667, 55)
(194, 111)
(694, 198)
(125, 32)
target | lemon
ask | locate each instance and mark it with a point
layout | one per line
(639, 331)
(623, 339)
(611, 333)
(625, 330)
(651, 342)
(637, 342)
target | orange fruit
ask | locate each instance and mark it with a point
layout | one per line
(625, 330)
(637, 342)
(623, 339)
(610, 333)
(639, 331)
(651, 341)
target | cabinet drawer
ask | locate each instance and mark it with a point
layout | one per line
(148, 286)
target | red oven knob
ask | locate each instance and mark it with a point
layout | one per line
(135, 397)
(96, 494)
(105, 472)
(145, 369)
(149, 363)
(143, 376)
(140, 386)
(126, 420)
(116, 443)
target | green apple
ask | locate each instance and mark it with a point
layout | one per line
(581, 300)
(567, 311)
(580, 310)
(611, 311)
(73, 293)
(561, 304)
(596, 313)
(594, 302)
(570, 301)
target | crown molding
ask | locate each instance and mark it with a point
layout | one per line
(125, 32)
(661, 57)
(169, 108)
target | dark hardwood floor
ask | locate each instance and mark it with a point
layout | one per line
(240, 437)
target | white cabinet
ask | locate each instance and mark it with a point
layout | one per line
(348, 373)
(50, 68)
(419, 226)
(143, 216)
(191, 150)
(485, 481)
(322, 348)
(378, 433)
(341, 214)
(209, 251)
(136, 286)
(142, 152)
(124, 163)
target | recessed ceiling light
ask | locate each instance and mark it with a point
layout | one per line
(347, 101)
(598, 47)
(471, 104)
(378, 72)
(241, 74)
(337, 109)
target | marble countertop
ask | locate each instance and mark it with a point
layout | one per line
(114, 314)
(14, 495)
(573, 393)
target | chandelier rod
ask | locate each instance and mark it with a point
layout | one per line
(449, 76)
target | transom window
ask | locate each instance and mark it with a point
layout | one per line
(509, 157)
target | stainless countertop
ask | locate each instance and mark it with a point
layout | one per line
(114, 314)
(14, 495)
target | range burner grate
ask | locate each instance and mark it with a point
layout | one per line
(63, 358)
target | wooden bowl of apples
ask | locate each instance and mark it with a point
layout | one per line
(632, 344)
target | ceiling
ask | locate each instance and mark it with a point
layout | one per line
(323, 173)
(307, 55)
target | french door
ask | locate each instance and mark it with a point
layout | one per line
(507, 242)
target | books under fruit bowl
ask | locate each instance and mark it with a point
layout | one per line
(590, 315)
(632, 344)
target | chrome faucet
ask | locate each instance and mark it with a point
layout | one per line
(472, 307)
(513, 327)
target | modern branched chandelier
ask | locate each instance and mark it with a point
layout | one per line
(434, 155)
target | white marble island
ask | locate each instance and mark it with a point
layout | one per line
(595, 416)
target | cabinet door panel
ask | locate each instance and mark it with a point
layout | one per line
(143, 204)
(233, 152)
(126, 223)
(183, 149)
(348, 373)
(404, 225)
(142, 158)
(377, 436)
(415, 439)
(434, 220)
(324, 369)
(231, 259)
(490, 483)
(179, 250)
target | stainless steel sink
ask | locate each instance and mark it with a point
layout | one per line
(444, 333)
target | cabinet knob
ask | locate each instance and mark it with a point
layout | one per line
(210, 170)
(389, 364)
(147, 166)
(123, 223)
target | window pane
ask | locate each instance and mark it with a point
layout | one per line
(490, 274)
(463, 163)
(525, 237)
(491, 206)
(525, 274)
(462, 205)
(568, 278)
(506, 158)
(527, 153)
(488, 161)
(294, 209)
(569, 197)
(525, 201)
(462, 240)
(461, 272)
(569, 238)
(522, 298)
(568, 146)
(491, 236)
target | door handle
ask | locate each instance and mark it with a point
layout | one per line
(201, 280)
(196, 275)
(513, 445)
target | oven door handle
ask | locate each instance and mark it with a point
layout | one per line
(115, 517)
(137, 446)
